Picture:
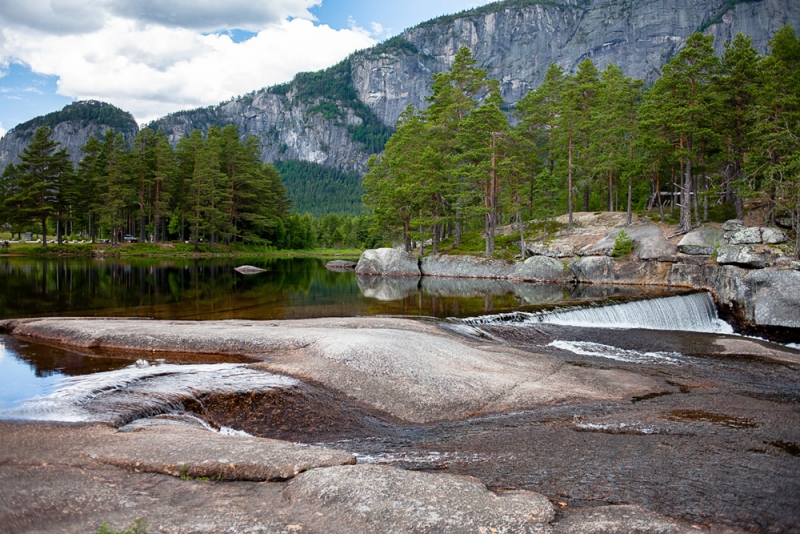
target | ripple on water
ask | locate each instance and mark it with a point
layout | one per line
(588, 348)
(119, 397)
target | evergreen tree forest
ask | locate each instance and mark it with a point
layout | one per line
(211, 190)
(711, 134)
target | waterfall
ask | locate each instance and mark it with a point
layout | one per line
(695, 313)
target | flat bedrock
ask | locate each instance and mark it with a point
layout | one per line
(57, 477)
(408, 369)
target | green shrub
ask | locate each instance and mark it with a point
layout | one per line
(623, 244)
(139, 526)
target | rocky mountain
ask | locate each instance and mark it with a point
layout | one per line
(340, 116)
(72, 127)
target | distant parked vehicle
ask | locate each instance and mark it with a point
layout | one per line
(129, 238)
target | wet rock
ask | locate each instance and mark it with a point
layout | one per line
(407, 369)
(640, 272)
(772, 236)
(188, 452)
(387, 288)
(542, 269)
(625, 519)
(704, 241)
(341, 265)
(369, 498)
(744, 236)
(249, 269)
(466, 266)
(388, 262)
(744, 256)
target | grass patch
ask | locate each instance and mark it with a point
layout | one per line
(139, 526)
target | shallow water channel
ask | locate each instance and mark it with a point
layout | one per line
(717, 442)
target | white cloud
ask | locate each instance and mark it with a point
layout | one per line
(212, 14)
(154, 69)
(54, 16)
(2, 130)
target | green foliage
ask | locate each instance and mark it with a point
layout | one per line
(319, 190)
(139, 526)
(623, 244)
(394, 45)
(85, 111)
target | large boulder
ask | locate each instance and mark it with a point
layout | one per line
(466, 267)
(542, 269)
(772, 298)
(388, 262)
(593, 269)
(744, 256)
(702, 241)
(649, 241)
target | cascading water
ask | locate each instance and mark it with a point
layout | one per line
(142, 390)
(694, 313)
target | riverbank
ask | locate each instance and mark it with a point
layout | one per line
(567, 443)
(749, 270)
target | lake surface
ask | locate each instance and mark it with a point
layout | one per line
(718, 441)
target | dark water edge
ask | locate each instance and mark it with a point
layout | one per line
(291, 288)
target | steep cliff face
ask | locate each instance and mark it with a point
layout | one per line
(340, 116)
(72, 127)
(517, 40)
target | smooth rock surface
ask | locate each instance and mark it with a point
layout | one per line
(772, 298)
(388, 262)
(625, 519)
(367, 497)
(703, 241)
(542, 269)
(408, 369)
(466, 266)
(188, 452)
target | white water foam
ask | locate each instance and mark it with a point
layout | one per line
(693, 313)
(617, 428)
(587, 348)
(118, 397)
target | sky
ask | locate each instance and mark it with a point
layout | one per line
(153, 57)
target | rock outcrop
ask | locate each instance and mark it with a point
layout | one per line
(388, 262)
(465, 267)
(703, 241)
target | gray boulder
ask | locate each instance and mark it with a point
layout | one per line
(466, 267)
(613, 519)
(733, 224)
(744, 236)
(593, 269)
(649, 240)
(387, 288)
(702, 241)
(772, 236)
(772, 298)
(388, 262)
(542, 269)
(744, 256)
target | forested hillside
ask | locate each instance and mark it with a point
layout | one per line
(710, 132)
(320, 190)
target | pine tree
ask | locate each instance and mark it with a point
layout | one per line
(43, 180)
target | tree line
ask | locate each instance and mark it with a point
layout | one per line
(213, 189)
(710, 130)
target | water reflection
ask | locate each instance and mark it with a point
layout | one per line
(290, 288)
